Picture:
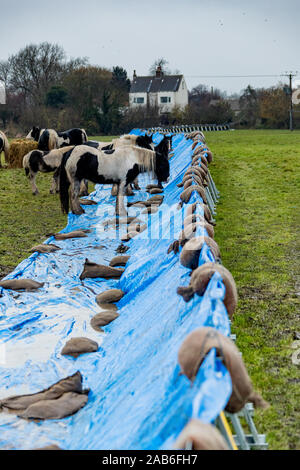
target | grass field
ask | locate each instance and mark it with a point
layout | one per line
(258, 219)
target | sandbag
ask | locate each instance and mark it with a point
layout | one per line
(73, 383)
(74, 234)
(201, 277)
(157, 199)
(191, 208)
(94, 270)
(21, 284)
(187, 233)
(193, 351)
(119, 261)
(151, 186)
(189, 256)
(110, 296)
(45, 248)
(66, 405)
(76, 346)
(155, 191)
(195, 218)
(202, 436)
(103, 318)
(186, 194)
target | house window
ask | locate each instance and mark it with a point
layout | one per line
(138, 100)
(165, 99)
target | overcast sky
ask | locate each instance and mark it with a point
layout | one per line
(197, 37)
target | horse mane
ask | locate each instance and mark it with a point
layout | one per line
(146, 159)
(126, 139)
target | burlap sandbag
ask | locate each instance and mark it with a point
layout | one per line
(74, 234)
(193, 170)
(21, 284)
(119, 261)
(196, 176)
(194, 218)
(193, 351)
(66, 405)
(189, 232)
(185, 196)
(94, 270)
(189, 256)
(201, 435)
(44, 248)
(191, 208)
(79, 345)
(155, 191)
(103, 319)
(201, 277)
(199, 161)
(193, 180)
(110, 296)
(201, 157)
(202, 170)
(72, 383)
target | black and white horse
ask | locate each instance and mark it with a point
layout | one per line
(4, 146)
(45, 162)
(126, 139)
(120, 166)
(49, 139)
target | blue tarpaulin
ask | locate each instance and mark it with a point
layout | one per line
(138, 399)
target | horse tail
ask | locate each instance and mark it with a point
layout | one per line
(64, 184)
(53, 139)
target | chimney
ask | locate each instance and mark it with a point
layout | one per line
(158, 73)
(134, 74)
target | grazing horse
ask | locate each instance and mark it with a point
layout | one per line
(46, 162)
(34, 133)
(4, 146)
(49, 139)
(120, 167)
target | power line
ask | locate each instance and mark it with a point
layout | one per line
(238, 76)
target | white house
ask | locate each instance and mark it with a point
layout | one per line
(162, 91)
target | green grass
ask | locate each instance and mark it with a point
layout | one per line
(257, 173)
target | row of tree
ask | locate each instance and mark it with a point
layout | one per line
(44, 88)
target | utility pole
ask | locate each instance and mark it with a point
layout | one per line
(290, 92)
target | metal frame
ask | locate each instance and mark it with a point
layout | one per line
(187, 128)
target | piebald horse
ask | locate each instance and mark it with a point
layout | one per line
(45, 162)
(4, 146)
(120, 167)
(144, 141)
(49, 139)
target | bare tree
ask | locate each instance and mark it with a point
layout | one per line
(162, 63)
(35, 68)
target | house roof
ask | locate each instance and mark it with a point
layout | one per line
(153, 84)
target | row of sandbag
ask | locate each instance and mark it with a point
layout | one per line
(198, 230)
